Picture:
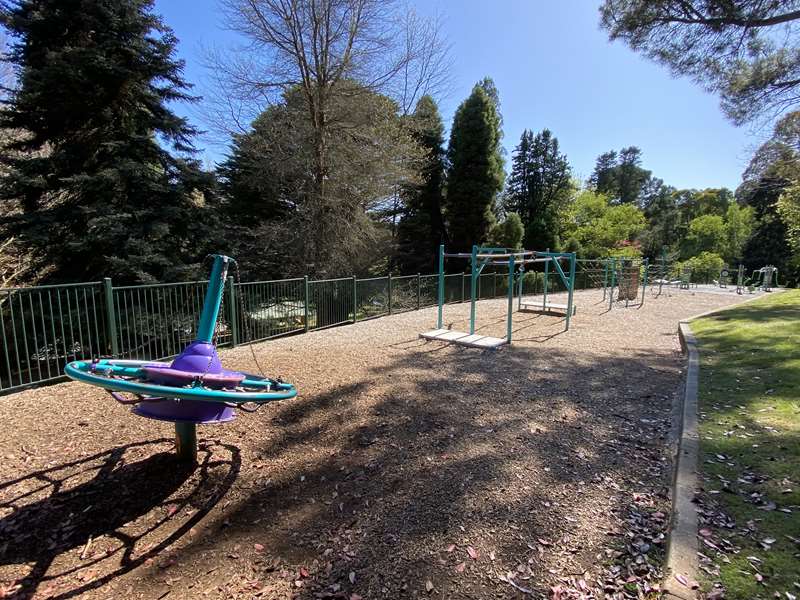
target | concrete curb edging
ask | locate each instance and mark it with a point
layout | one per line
(682, 542)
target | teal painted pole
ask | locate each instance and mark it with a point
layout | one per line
(211, 304)
(389, 286)
(440, 294)
(473, 289)
(546, 275)
(646, 271)
(572, 264)
(232, 307)
(186, 442)
(605, 277)
(111, 316)
(521, 283)
(305, 303)
(355, 298)
(510, 298)
(613, 277)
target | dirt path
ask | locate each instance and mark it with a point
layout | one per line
(404, 469)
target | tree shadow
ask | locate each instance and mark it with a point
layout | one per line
(440, 456)
(114, 494)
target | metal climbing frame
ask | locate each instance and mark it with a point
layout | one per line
(481, 256)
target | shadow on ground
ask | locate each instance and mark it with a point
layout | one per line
(55, 512)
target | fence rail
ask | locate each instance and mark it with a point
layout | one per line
(42, 328)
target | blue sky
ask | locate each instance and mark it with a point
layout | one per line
(554, 68)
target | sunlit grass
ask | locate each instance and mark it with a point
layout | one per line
(750, 441)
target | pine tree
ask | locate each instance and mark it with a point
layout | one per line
(475, 174)
(99, 193)
(539, 186)
(421, 228)
(604, 176)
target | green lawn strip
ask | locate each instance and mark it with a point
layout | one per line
(750, 445)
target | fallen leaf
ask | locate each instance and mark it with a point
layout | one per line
(303, 572)
(429, 586)
(473, 554)
(258, 547)
(460, 567)
(451, 547)
(352, 577)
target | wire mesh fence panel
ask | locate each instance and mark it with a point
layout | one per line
(429, 290)
(591, 273)
(267, 309)
(45, 327)
(157, 321)
(405, 290)
(372, 297)
(330, 302)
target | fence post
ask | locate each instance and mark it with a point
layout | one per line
(494, 285)
(234, 320)
(463, 275)
(355, 298)
(390, 293)
(419, 291)
(111, 316)
(305, 302)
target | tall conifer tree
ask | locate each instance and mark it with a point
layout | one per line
(100, 192)
(539, 186)
(421, 228)
(475, 174)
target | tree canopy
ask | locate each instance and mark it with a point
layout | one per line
(747, 51)
(475, 175)
(97, 189)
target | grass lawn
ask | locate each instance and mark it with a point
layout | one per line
(750, 448)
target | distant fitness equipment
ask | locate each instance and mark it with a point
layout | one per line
(724, 277)
(515, 260)
(764, 279)
(626, 275)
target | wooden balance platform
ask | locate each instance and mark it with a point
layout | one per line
(549, 308)
(464, 339)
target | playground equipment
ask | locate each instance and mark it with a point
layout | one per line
(764, 279)
(724, 277)
(547, 307)
(740, 280)
(193, 389)
(479, 258)
(626, 275)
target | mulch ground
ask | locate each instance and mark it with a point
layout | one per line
(404, 469)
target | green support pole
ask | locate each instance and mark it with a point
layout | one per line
(521, 281)
(305, 303)
(473, 288)
(544, 284)
(644, 284)
(355, 298)
(613, 277)
(440, 294)
(186, 442)
(605, 277)
(111, 316)
(233, 318)
(572, 264)
(389, 293)
(510, 297)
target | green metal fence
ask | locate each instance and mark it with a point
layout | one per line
(42, 328)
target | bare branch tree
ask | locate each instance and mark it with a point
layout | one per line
(318, 46)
